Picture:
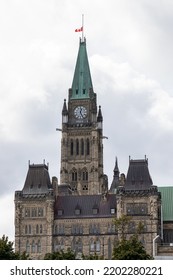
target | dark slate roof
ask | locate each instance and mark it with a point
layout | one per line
(86, 204)
(138, 176)
(37, 180)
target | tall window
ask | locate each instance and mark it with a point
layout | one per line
(87, 147)
(77, 147)
(85, 175)
(74, 175)
(82, 147)
(71, 147)
(33, 247)
(59, 245)
(39, 247)
(27, 247)
(97, 245)
(77, 245)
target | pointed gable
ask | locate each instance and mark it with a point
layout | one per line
(82, 82)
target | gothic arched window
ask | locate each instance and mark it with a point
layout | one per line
(74, 175)
(85, 175)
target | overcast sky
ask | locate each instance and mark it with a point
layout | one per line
(130, 46)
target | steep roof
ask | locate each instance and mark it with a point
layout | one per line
(167, 202)
(86, 204)
(138, 176)
(37, 180)
(82, 82)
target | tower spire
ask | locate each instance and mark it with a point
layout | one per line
(82, 82)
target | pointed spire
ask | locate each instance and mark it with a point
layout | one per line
(82, 82)
(64, 113)
(116, 169)
(99, 117)
(64, 109)
(115, 181)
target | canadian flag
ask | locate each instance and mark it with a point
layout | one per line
(79, 29)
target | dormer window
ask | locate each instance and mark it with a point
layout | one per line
(95, 211)
(112, 211)
(60, 212)
(77, 211)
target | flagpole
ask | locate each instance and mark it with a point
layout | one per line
(82, 28)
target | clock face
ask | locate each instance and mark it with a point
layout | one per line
(80, 112)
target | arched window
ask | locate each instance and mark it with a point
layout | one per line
(85, 175)
(77, 245)
(82, 147)
(71, 147)
(77, 147)
(74, 175)
(87, 147)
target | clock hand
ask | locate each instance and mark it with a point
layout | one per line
(81, 113)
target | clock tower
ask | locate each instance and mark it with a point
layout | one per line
(82, 133)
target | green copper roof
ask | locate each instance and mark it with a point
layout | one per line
(167, 202)
(82, 83)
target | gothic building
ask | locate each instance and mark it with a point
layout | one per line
(79, 211)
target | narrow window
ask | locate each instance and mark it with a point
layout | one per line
(39, 247)
(29, 229)
(98, 246)
(77, 147)
(87, 147)
(74, 175)
(27, 247)
(82, 147)
(37, 231)
(71, 147)
(33, 247)
(41, 229)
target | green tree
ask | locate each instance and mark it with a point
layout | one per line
(7, 250)
(132, 248)
(61, 255)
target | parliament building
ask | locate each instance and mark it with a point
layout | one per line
(78, 210)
